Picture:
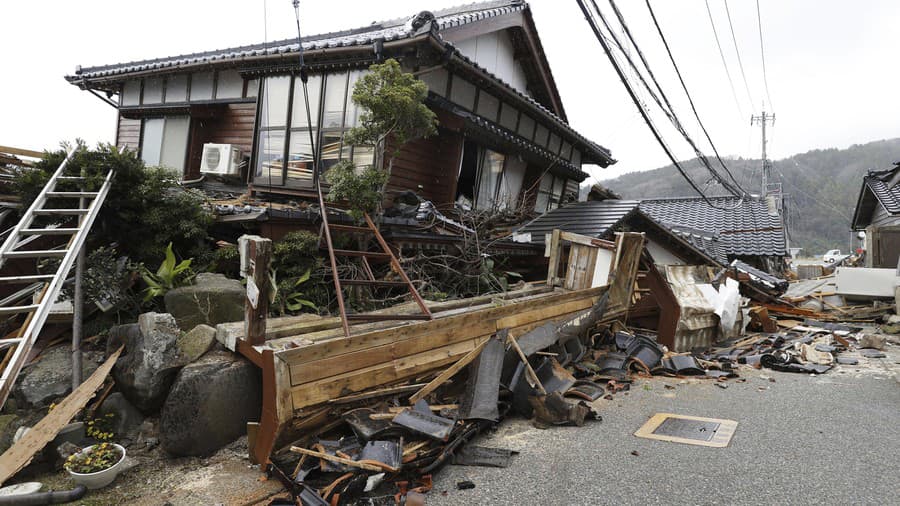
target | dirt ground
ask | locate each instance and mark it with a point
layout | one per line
(227, 478)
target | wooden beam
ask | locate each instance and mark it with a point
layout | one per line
(21, 152)
(338, 460)
(447, 373)
(20, 454)
(256, 303)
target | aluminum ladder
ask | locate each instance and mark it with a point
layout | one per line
(70, 221)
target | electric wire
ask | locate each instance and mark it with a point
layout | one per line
(609, 53)
(688, 94)
(303, 79)
(737, 51)
(762, 53)
(712, 23)
(668, 109)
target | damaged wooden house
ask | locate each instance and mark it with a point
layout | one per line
(877, 213)
(237, 115)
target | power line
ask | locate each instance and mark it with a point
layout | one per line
(762, 52)
(688, 94)
(609, 53)
(669, 110)
(738, 53)
(712, 23)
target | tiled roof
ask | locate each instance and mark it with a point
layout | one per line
(880, 187)
(885, 184)
(397, 29)
(391, 30)
(592, 218)
(735, 226)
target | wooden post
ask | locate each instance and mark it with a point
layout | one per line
(258, 253)
(77, 320)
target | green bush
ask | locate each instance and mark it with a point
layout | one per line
(145, 210)
(361, 189)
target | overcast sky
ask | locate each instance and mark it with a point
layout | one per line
(832, 65)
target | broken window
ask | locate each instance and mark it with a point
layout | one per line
(164, 141)
(550, 193)
(499, 180)
(331, 113)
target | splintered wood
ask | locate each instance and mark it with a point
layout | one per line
(320, 367)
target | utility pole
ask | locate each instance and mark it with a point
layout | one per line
(762, 120)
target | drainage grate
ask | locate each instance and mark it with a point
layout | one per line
(693, 430)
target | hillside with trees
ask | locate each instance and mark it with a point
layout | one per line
(822, 187)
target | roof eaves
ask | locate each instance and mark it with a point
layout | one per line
(601, 155)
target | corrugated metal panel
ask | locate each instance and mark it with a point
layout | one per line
(698, 324)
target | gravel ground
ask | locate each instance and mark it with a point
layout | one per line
(801, 439)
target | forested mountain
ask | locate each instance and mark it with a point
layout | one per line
(822, 187)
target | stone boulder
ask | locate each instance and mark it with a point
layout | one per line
(210, 404)
(145, 373)
(195, 343)
(211, 300)
(51, 376)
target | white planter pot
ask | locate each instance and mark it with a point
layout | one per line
(102, 478)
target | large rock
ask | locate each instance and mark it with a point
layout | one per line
(51, 376)
(195, 343)
(151, 362)
(211, 300)
(210, 404)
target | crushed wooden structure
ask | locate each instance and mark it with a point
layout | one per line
(311, 363)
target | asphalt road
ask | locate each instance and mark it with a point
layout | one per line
(802, 439)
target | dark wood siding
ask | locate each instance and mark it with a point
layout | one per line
(431, 163)
(233, 124)
(128, 134)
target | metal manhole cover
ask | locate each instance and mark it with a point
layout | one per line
(688, 429)
(695, 430)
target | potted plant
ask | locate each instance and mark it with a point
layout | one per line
(97, 465)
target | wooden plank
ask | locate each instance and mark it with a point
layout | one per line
(447, 373)
(317, 369)
(339, 460)
(538, 315)
(21, 453)
(553, 267)
(332, 347)
(317, 392)
(331, 366)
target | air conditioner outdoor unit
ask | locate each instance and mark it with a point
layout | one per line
(222, 159)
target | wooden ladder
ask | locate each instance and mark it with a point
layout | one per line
(364, 256)
(82, 212)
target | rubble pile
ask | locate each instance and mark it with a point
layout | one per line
(389, 443)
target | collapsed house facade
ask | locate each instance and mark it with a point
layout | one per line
(878, 214)
(503, 138)
(680, 231)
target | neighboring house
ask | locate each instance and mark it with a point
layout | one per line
(503, 139)
(878, 213)
(679, 230)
